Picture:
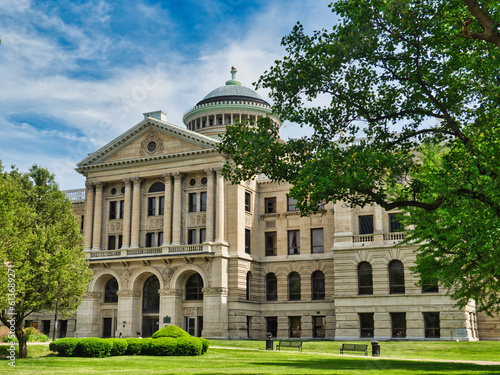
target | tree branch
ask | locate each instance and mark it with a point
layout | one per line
(490, 32)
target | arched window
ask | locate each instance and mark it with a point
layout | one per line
(249, 280)
(194, 286)
(318, 285)
(396, 277)
(157, 187)
(150, 296)
(365, 279)
(110, 290)
(294, 286)
(271, 287)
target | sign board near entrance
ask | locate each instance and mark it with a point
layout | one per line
(167, 320)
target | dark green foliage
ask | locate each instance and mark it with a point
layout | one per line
(146, 346)
(119, 346)
(205, 344)
(134, 346)
(164, 346)
(189, 346)
(170, 331)
(65, 347)
(93, 347)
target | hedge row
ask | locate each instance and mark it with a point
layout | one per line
(162, 346)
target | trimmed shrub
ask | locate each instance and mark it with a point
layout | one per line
(93, 347)
(134, 346)
(165, 346)
(65, 347)
(34, 335)
(146, 346)
(205, 344)
(170, 331)
(189, 346)
(119, 346)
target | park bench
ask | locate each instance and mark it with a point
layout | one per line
(289, 344)
(354, 348)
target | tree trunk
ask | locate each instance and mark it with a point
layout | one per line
(21, 337)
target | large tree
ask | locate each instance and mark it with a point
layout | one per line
(42, 264)
(403, 98)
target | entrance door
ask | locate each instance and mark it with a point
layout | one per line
(189, 324)
(107, 325)
(63, 328)
(150, 325)
(200, 326)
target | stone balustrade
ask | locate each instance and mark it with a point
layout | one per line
(148, 251)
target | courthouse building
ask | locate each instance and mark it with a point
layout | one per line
(170, 241)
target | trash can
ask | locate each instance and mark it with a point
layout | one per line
(375, 349)
(269, 341)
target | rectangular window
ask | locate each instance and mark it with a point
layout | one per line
(192, 202)
(248, 238)
(319, 326)
(122, 209)
(430, 286)
(160, 239)
(161, 205)
(152, 206)
(150, 238)
(248, 199)
(293, 242)
(270, 239)
(317, 242)
(82, 223)
(432, 325)
(203, 201)
(366, 224)
(366, 325)
(291, 204)
(191, 236)
(394, 223)
(398, 324)
(203, 235)
(111, 243)
(294, 324)
(112, 210)
(272, 325)
(120, 241)
(270, 205)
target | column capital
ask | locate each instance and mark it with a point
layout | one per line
(98, 185)
(218, 171)
(126, 180)
(166, 177)
(177, 176)
(137, 181)
(89, 185)
(208, 171)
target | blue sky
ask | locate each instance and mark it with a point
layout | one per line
(76, 74)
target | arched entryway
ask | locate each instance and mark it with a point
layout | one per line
(193, 305)
(150, 306)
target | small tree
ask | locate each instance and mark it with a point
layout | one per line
(41, 257)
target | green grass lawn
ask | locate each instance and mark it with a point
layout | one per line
(251, 358)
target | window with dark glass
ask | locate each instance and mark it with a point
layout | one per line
(161, 205)
(317, 242)
(398, 325)
(318, 285)
(294, 286)
(152, 206)
(203, 201)
(366, 325)
(150, 296)
(248, 199)
(249, 280)
(122, 208)
(429, 284)
(271, 287)
(432, 325)
(394, 223)
(248, 238)
(272, 325)
(293, 242)
(291, 204)
(191, 236)
(110, 291)
(192, 202)
(194, 287)
(365, 224)
(111, 243)
(150, 239)
(319, 326)
(157, 187)
(396, 277)
(270, 205)
(294, 324)
(160, 239)
(112, 210)
(203, 235)
(365, 279)
(270, 243)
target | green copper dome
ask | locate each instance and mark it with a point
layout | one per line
(233, 90)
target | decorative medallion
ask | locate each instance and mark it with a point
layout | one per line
(152, 144)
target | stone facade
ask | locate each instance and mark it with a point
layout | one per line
(171, 242)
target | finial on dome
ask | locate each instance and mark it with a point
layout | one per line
(233, 81)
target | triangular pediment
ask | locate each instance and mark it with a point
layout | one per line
(151, 139)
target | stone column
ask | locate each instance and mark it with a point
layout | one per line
(89, 214)
(129, 313)
(215, 313)
(210, 214)
(126, 214)
(136, 213)
(177, 207)
(219, 222)
(89, 315)
(171, 306)
(96, 240)
(167, 212)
